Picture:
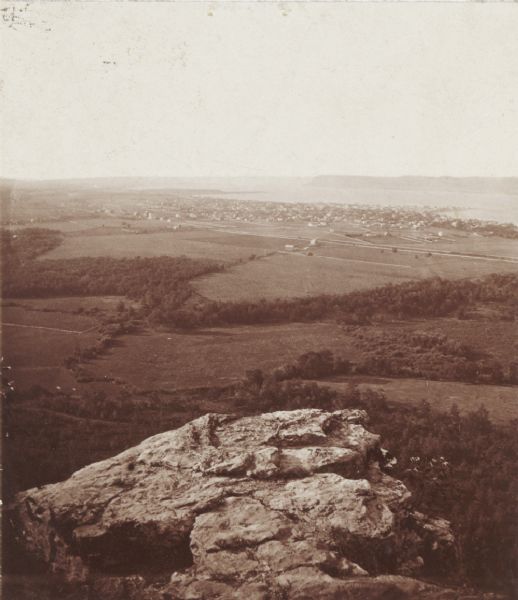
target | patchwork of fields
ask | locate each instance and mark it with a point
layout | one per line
(38, 335)
(116, 370)
(337, 270)
(266, 268)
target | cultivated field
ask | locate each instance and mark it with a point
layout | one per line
(37, 336)
(476, 244)
(339, 264)
(40, 333)
(192, 243)
(500, 401)
(336, 270)
(47, 314)
(292, 275)
(213, 356)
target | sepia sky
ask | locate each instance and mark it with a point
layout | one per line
(96, 89)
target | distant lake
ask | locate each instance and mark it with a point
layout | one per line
(486, 206)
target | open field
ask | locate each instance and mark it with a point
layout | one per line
(339, 263)
(336, 271)
(221, 355)
(292, 275)
(46, 316)
(374, 238)
(500, 401)
(213, 356)
(37, 356)
(451, 242)
(416, 257)
(476, 244)
(194, 244)
(37, 337)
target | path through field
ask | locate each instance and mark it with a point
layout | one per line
(48, 328)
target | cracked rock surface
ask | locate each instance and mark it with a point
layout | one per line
(289, 504)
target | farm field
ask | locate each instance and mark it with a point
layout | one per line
(334, 271)
(475, 244)
(27, 314)
(418, 265)
(221, 355)
(37, 336)
(37, 356)
(194, 244)
(295, 275)
(501, 402)
(40, 333)
(215, 356)
(427, 258)
(452, 241)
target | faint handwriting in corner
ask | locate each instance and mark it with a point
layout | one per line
(17, 17)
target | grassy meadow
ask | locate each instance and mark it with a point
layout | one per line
(192, 243)
(209, 357)
(501, 402)
(38, 335)
(337, 270)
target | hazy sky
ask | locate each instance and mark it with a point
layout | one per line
(102, 89)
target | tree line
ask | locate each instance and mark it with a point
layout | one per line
(414, 355)
(162, 286)
(28, 243)
(433, 297)
(156, 281)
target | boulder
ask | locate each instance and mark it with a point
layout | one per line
(289, 504)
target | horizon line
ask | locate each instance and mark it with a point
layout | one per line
(111, 177)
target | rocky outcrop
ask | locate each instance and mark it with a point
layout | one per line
(282, 505)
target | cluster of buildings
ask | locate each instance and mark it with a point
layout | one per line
(177, 208)
(374, 220)
(251, 211)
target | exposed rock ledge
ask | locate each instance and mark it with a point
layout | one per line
(282, 505)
